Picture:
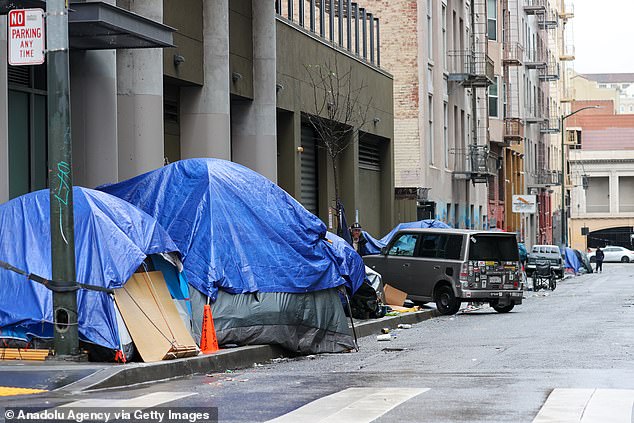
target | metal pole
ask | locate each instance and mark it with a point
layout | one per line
(378, 44)
(60, 178)
(349, 25)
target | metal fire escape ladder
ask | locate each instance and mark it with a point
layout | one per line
(474, 69)
(512, 62)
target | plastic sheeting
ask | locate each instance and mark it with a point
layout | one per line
(585, 261)
(237, 230)
(571, 260)
(112, 238)
(307, 323)
(374, 245)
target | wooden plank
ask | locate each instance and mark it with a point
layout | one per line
(152, 318)
(21, 354)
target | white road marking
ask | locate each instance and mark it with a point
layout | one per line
(587, 406)
(352, 405)
(144, 401)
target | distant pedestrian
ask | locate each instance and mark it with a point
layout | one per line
(358, 240)
(599, 256)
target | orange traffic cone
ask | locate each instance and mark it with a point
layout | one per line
(208, 340)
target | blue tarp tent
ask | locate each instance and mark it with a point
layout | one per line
(237, 230)
(374, 245)
(571, 260)
(112, 239)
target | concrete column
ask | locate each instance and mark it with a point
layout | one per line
(94, 117)
(205, 111)
(4, 114)
(140, 102)
(254, 123)
(613, 183)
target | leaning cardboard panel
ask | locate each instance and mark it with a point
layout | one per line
(394, 296)
(152, 318)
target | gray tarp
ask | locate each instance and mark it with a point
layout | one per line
(308, 323)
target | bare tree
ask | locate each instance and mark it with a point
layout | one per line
(339, 110)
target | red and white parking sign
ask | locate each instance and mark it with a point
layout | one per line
(26, 37)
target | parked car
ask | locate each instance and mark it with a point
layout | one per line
(551, 253)
(614, 253)
(451, 266)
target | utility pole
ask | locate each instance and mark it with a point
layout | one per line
(60, 179)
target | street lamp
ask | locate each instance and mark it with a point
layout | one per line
(564, 220)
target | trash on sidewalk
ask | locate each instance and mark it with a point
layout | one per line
(384, 337)
(404, 326)
(385, 330)
(405, 309)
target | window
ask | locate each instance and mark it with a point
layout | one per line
(492, 20)
(493, 247)
(430, 129)
(598, 195)
(449, 214)
(430, 31)
(445, 134)
(441, 246)
(493, 98)
(404, 245)
(430, 79)
(456, 212)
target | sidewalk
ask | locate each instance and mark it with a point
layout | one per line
(79, 377)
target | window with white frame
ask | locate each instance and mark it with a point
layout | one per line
(493, 99)
(492, 20)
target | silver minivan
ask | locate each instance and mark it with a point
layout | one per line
(450, 266)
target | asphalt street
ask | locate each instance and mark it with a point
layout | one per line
(561, 356)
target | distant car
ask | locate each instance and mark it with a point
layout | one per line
(615, 254)
(545, 252)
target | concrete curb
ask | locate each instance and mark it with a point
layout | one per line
(138, 373)
(234, 358)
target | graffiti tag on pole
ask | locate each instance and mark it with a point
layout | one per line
(63, 192)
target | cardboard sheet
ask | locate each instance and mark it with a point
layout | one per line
(152, 318)
(394, 296)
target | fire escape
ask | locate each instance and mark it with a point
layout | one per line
(474, 70)
(544, 112)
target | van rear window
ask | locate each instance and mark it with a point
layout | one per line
(493, 248)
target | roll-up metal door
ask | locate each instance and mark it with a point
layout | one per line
(309, 177)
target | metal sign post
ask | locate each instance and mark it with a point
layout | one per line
(60, 179)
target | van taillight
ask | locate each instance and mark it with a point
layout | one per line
(464, 272)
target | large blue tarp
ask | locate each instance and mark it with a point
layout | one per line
(112, 238)
(237, 230)
(571, 260)
(374, 245)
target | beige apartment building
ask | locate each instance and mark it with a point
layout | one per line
(478, 88)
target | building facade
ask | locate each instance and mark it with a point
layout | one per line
(233, 84)
(479, 88)
(601, 176)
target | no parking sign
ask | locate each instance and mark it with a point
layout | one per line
(26, 37)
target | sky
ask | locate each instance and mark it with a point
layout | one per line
(604, 36)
